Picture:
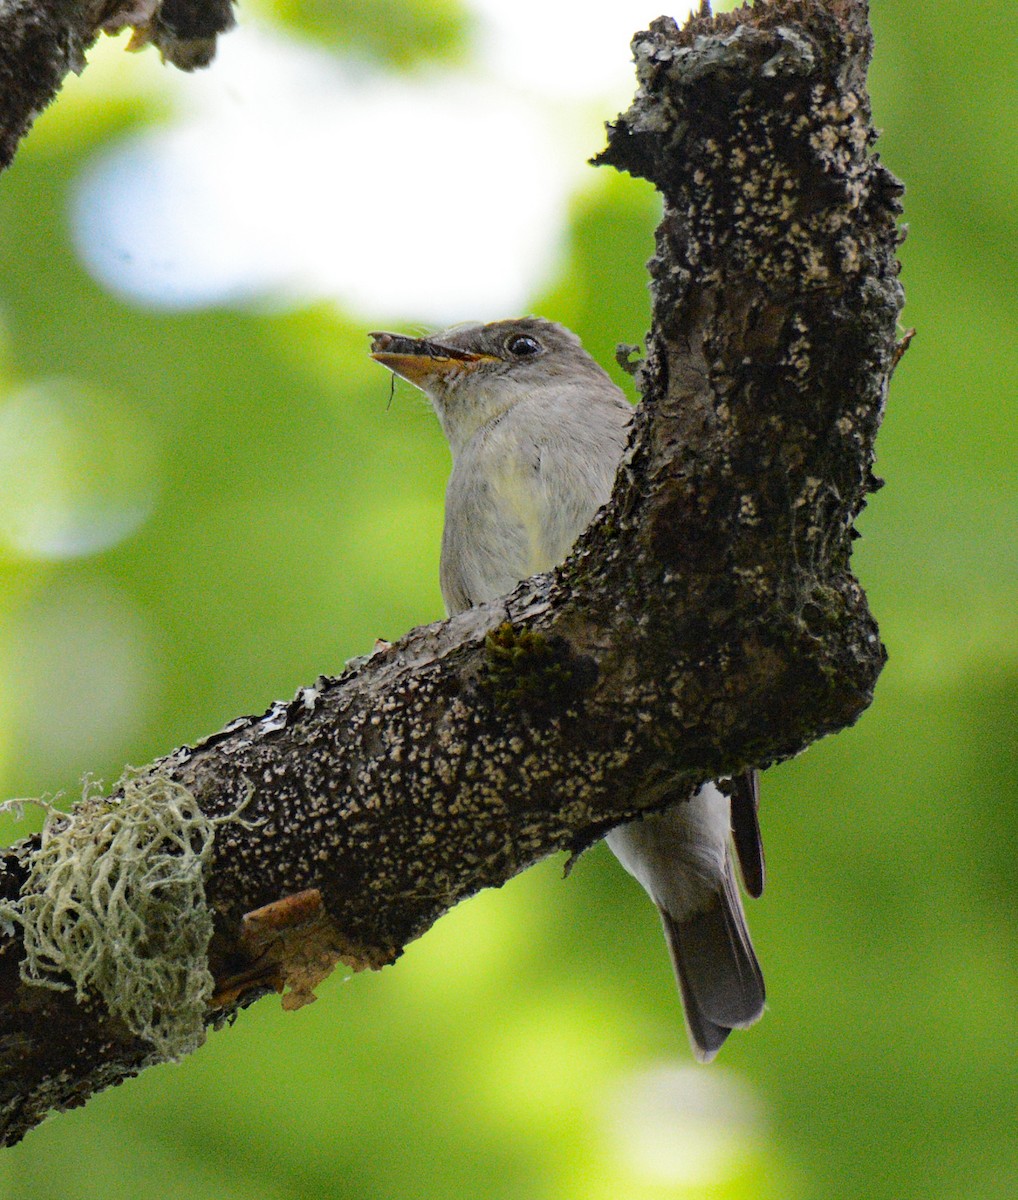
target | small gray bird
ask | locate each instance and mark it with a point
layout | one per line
(537, 430)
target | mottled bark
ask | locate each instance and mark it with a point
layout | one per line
(707, 622)
(42, 40)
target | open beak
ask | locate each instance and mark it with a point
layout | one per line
(417, 359)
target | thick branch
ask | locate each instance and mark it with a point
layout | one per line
(707, 622)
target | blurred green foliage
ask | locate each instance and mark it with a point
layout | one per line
(400, 33)
(293, 517)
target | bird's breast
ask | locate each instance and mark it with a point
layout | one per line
(517, 495)
(520, 494)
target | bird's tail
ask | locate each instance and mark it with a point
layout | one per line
(719, 977)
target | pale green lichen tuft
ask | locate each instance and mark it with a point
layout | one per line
(115, 901)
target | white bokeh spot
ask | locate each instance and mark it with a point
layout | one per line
(77, 471)
(291, 175)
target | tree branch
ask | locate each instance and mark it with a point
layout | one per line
(42, 40)
(707, 622)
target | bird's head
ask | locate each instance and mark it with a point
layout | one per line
(474, 373)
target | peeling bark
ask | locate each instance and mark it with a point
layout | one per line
(707, 622)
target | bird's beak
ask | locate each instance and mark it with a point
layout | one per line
(417, 359)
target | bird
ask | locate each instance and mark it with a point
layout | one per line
(537, 429)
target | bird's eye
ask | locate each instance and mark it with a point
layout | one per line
(522, 346)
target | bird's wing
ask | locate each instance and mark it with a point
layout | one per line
(746, 830)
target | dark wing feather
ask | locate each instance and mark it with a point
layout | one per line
(746, 830)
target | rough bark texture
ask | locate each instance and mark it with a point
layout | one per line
(41, 40)
(707, 622)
